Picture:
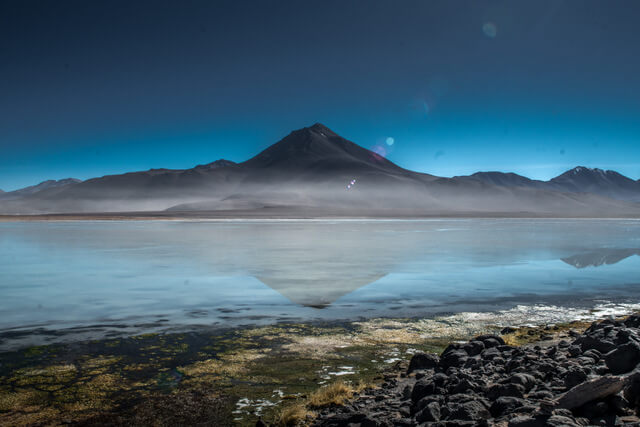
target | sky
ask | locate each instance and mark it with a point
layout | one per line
(89, 88)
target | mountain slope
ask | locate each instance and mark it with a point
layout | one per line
(314, 171)
(577, 180)
(504, 179)
(593, 180)
(318, 147)
(33, 189)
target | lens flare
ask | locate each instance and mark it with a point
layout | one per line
(489, 29)
(380, 150)
(425, 107)
(390, 141)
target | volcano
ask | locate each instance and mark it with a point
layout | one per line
(314, 172)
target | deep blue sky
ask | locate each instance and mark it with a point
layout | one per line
(89, 88)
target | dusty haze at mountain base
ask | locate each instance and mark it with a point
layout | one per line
(315, 172)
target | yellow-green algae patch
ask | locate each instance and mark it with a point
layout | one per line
(537, 334)
(239, 374)
(258, 368)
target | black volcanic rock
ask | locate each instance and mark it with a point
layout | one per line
(505, 404)
(550, 386)
(423, 361)
(430, 413)
(624, 358)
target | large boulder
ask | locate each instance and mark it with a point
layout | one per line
(422, 388)
(632, 389)
(511, 389)
(624, 358)
(455, 358)
(431, 412)
(573, 377)
(504, 405)
(588, 342)
(525, 380)
(474, 347)
(632, 321)
(423, 361)
(471, 410)
(490, 340)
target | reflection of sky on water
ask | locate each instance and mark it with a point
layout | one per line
(138, 276)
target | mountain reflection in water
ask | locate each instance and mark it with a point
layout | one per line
(128, 277)
(600, 257)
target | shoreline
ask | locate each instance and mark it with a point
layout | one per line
(286, 215)
(256, 371)
(568, 379)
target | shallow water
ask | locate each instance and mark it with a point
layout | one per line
(63, 281)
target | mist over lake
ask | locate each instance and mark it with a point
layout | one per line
(66, 281)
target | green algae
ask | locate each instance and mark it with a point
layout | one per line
(252, 372)
(536, 334)
(263, 366)
(234, 376)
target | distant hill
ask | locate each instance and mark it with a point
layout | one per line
(314, 171)
(222, 163)
(580, 179)
(503, 179)
(593, 180)
(52, 183)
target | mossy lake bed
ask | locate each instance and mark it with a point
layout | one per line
(226, 377)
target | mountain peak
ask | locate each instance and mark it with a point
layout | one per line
(44, 185)
(318, 147)
(584, 169)
(321, 129)
(603, 182)
(221, 163)
(586, 172)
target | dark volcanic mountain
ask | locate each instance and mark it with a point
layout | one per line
(222, 163)
(577, 180)
(52, 183)
(317, 149)
(593, 180)
(315, 172)
(503, 179)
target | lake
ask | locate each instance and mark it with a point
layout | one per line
(76, 280)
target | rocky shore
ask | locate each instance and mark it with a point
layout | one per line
(584, 379)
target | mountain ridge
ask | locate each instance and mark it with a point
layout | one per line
(314, 169)
(44, 185)
(579, 179)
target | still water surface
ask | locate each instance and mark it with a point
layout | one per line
(61, 281)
